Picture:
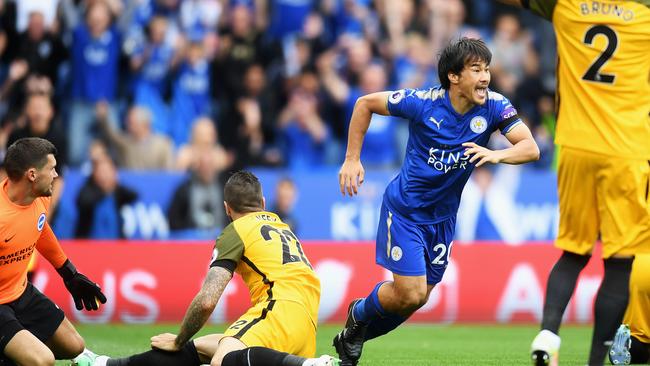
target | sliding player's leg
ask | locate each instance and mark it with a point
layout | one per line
(261, 356)
(233, 352)
(206, 346)
(226, 346)
(186, 356)
(195, 352)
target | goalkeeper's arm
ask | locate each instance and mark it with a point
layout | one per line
(86, 293)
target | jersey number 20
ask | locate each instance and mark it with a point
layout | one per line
(287, 238)
(593, 73)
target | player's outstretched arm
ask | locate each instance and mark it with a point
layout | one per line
(352, 173)
(199, 311)
(524, 149)
(86, 293)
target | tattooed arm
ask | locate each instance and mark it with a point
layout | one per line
(203, 304)
(199, 311)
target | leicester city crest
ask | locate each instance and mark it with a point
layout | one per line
(396, 253)
(478, 124)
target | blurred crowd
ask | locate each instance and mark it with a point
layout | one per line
(205, 86)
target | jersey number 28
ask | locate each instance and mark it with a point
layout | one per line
(287, 238)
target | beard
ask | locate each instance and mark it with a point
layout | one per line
(44, 191)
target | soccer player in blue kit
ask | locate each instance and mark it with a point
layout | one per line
(449, 126)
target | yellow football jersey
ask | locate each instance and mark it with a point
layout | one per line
(603, 74)
(270, 260)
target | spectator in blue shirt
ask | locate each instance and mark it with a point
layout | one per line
(380, 146)
(95, 55)
(151, 64)
(191, 98)
(413, 66)
(287, 17)
(198, 19)
(304, 133)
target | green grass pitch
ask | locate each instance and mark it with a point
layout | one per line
(408, 345)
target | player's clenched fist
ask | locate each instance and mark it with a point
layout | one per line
(351, 177)
(86, 293)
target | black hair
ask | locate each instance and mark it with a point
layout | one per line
(460, 53)
(26, 153)
(243, 192)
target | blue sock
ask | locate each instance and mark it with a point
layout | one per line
(379, 321)
(380, 326)
(369, 308)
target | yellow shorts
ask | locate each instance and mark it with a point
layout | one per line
(604, 195)
(280, 325)
(638, 309)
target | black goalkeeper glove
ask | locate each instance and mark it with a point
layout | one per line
(85, 292)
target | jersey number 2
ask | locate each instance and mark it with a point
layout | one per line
(593, 73)
(286, 237)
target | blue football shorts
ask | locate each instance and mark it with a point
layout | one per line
(409, 249)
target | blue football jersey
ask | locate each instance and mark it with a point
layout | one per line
(95, 64)
(427, 190)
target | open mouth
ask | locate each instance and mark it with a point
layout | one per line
(481, 92)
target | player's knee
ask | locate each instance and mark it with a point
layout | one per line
(77, 346)
(74, 345)
(413, 300)
(218, 360)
